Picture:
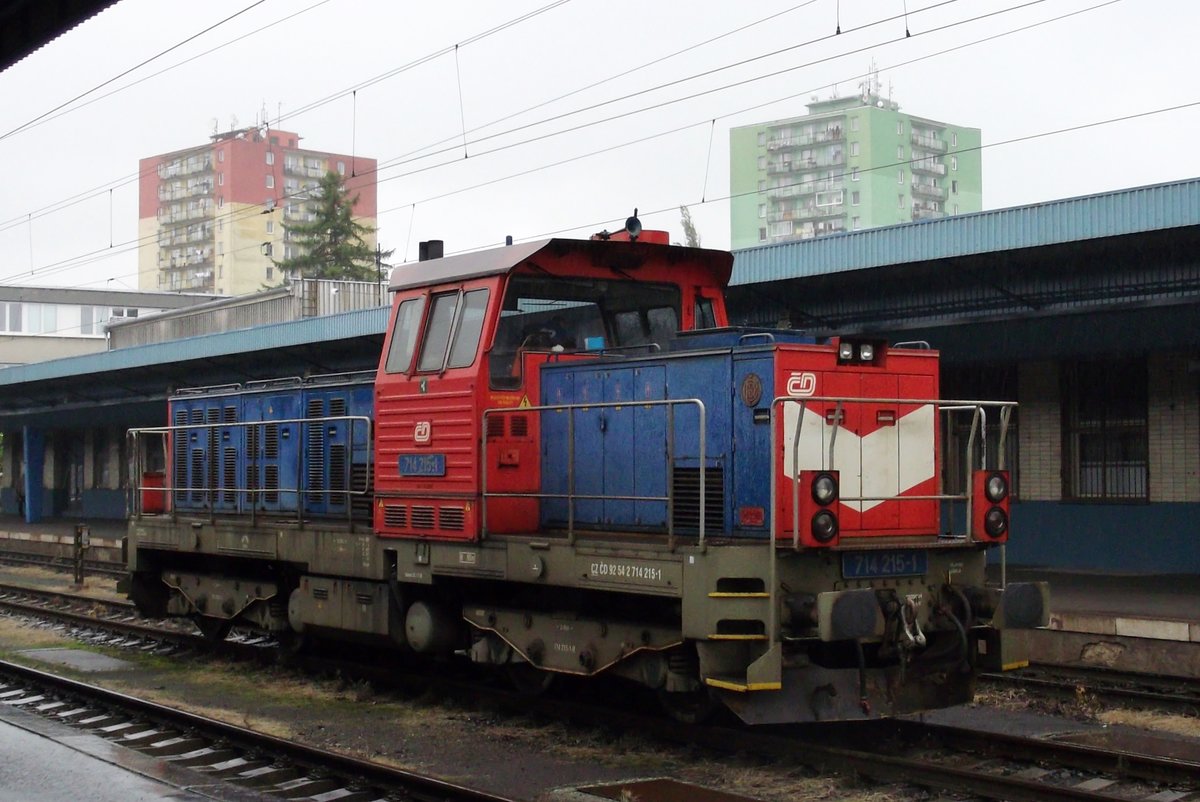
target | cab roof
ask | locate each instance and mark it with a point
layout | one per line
(571, 256)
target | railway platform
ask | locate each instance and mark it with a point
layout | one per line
(1134, 622)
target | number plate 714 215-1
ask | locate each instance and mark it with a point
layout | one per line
(873, 564)
(422, 464)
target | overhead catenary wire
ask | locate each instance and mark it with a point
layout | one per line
(475, 38)
(133, 177)
(559, 133)
(134, 68)
(252, 211)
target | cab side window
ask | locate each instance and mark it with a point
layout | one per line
(404, 337)
(437, 332)
(470, 326)
(453, 331)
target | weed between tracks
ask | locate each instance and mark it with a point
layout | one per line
(1086, 706)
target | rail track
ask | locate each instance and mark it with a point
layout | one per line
(946, 759)
(235, 755)
(1175, 694)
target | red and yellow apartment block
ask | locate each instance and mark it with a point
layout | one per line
(211, 218)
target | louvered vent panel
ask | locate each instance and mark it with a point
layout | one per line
(271, 441)
(271, 483)
(520, 426)
(213, 415)
(337, 407)
(252, 484)
(395, 515)
(495, 426)
(197, 484)
(229, 415)
(337, 469)
(316, 451)
(687, 499)
(179, 440)
(229, 477)
(361, 482)
(422, 517)
(451, 519)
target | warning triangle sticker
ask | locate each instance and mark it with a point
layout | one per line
(524, 402)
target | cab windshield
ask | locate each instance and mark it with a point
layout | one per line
(548, 313)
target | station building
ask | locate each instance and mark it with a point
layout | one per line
(1085, 310)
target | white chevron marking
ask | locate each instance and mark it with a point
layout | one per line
(898, 457)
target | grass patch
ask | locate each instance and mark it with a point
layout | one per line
(1159, 722)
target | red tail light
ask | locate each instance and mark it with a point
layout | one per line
(989, 506)
(819, 525)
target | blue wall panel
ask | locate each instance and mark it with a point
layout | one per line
(1141, 538)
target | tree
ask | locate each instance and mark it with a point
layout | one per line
(691, 237)
(332, 245)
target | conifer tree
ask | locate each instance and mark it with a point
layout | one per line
(332, 245)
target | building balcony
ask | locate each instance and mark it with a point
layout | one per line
(929, 191)
(835, 134)
(807, 213)
(928, 166)
(927, 214)
(933, 143)
(198, 166)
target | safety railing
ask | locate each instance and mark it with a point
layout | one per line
(978, 428)
(571, 497)
(200, 483)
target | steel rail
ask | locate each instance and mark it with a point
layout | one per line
(355, 771)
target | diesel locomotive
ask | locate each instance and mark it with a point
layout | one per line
(568, 462)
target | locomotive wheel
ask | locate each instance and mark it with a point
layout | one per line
(689, 707)
(528, 679)
(214, 630)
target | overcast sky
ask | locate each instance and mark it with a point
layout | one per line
(554, 106)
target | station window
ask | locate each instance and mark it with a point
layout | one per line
(1105, 432)
(404, 336)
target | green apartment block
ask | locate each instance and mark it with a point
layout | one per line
(850, 163)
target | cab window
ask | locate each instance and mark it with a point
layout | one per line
(470, 326)
(437, 332)
(404, 336)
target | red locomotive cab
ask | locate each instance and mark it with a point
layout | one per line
(458, 385)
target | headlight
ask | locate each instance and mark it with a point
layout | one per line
(824, 526)
(845, 351)
(866, 352)
(824, 489)
(995, 522)
(996, 488)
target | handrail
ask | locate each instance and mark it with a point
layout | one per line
(170, 489)
(978, 428)
(571, 496)
(766, 335)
